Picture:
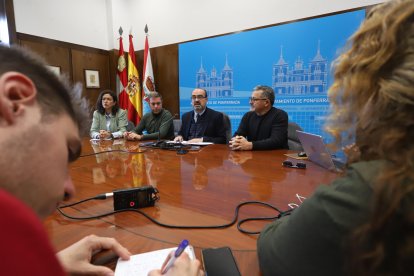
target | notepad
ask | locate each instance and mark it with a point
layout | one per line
(142, 264)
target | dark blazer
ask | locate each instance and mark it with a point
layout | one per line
(213, 131)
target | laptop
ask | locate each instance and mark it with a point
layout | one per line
(317, 151)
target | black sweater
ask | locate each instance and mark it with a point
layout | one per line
(268, 131)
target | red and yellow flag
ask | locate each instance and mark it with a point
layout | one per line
(133, 88)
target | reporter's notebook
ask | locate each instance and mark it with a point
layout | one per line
(142, 264)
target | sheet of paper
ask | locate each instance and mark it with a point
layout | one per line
(295, 156)
(171, 142)
(191, 143)
(142, 264)
(196, 143)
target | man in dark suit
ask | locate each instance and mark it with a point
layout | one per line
(202, 124)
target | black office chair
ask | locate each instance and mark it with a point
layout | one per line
(293, 140)
(227, 127)
(177, 126)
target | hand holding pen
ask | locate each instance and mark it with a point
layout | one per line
(171, 259)
(178, 263)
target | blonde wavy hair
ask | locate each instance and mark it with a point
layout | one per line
(372, 101)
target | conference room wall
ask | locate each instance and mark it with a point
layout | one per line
(95, 23)
(73, 60)
(164, 58)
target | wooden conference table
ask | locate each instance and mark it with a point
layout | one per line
(198, 188)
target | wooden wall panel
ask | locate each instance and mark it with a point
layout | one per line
(165, 66)
(74, 59)
(82, 61)
(113, 64)
(53, 55)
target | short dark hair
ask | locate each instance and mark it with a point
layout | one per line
(154, 94)
(55, 95)
(205, 91)
(99, 106)
(267, 92)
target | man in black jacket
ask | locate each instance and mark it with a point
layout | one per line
(202, 124)
(264, 127)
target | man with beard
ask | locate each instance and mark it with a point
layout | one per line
(264, 127)
(202, 124)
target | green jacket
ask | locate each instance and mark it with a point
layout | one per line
(157, 126)
(117, 125)
(311, 241)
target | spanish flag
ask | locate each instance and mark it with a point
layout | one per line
(133, 88)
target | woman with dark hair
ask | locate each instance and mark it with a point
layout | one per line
(109, 121)
(363, 223)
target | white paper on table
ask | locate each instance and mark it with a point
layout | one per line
(196, 143)
(142, 264)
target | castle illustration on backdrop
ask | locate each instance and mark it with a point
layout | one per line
(216, 86)
(286, 80)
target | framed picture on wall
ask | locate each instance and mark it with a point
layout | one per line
(54, 69)
(92, 78)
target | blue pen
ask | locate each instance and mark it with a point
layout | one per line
(177, 254)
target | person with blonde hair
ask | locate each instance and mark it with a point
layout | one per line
(363, 223)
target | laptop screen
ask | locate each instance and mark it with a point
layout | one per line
(316, 149)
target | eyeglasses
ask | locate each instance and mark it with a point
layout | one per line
(253, 99)
(298, 165)
(198, 97)
(156, 103)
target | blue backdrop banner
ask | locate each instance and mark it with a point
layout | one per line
(294, 59)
